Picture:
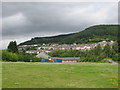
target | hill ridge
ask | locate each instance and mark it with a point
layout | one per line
(91, 34)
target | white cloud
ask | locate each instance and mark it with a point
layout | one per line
(92, 14)
(5, 41)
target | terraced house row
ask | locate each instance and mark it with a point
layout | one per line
(31, 49)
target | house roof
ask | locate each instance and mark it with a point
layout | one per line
(43, 55)
(67, 58)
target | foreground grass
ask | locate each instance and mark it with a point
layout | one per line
(0, 74)
(74, 75)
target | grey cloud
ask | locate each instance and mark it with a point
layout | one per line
(50, 18)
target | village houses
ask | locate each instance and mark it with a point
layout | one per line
(48, 48)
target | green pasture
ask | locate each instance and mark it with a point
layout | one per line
(64, 75)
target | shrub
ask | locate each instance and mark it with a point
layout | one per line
(8, 56)
(14, 57)
(104, 61)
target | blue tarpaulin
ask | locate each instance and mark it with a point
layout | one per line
(45, 60)
(57, 60)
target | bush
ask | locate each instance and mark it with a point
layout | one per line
(104, 61)
(8, 56)
(116, 57)
(36, 59)
(14, 57)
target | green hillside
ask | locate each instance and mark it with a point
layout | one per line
(91, 34)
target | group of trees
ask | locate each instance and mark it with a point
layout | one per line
(12, 54)
(97, 54)
(12, 47)
(14, 57)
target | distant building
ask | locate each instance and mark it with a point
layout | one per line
(48, 48)
(32, 52)
(104, 43)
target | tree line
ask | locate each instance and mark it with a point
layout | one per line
(12, 54)
(97, 54)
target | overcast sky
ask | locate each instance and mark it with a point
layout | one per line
(22, 21)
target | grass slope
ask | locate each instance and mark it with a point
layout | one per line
(74, 75)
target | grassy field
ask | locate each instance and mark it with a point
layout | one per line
(0, 74)
(69, 75)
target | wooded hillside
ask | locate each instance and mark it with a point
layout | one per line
(91, 34)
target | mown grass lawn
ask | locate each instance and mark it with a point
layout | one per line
(0, 74)
(70, 75)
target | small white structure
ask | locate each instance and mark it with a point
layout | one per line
(32, 51)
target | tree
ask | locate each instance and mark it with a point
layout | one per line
(12, 47)
(97, 50)
(115, 47)
(107, 50)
